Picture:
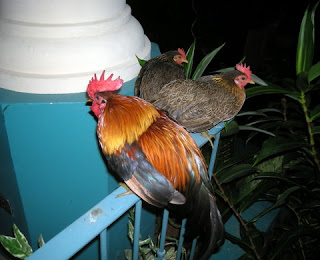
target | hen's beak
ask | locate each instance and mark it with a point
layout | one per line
(251, 82)
(185, 61)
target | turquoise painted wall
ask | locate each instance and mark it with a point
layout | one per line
(51, 167)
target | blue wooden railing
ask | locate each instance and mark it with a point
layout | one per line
(96, 221)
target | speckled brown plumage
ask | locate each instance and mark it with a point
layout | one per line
(200, 104)
(157, 72)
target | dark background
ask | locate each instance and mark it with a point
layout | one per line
(265, 32)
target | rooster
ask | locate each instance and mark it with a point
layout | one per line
(199, 105)
(157, 72)
(156, 158)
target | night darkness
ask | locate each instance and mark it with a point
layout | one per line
(265, 32)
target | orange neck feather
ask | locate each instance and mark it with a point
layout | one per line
(123, 120)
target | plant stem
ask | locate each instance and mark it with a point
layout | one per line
(311, 138)
(238, 216)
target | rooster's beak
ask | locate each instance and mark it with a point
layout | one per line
(89, 102)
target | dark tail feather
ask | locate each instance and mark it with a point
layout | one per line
(215, 236)
(205, 221)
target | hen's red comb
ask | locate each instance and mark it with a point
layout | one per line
(245, 70)
(102, 84)
(183, 54)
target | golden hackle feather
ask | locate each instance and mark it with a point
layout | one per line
(123, 120)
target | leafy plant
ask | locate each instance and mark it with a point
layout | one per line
(147, 248)
(18, 245)
(285, 171)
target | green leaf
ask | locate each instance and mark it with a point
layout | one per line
(22, 240)
(236, 172)
(315, 113)
(281, 199)
(258, 80)
(17, 246)
(128, 254)
(277, 145)
(205, 62)
(141, 62)
(271, 89)
(314, 72)
(190, 55)
(251, 128)
(302, 81)
(234, 240)
(130, 230)
(41, 241)
(305, 48)
(316, 130)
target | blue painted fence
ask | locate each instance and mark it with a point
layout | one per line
(96, 221)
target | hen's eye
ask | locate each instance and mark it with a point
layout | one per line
(243, 78)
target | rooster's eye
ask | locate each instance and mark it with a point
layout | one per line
(103, 101)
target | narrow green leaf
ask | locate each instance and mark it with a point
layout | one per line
(141, 62)
(236, 172)
(205, 62)
(251, 113)
(234, 240)
(274, 176)
(316, 130)
(258, 80)
(190, 56)
(314, 72)
(251, 128)
(277, 145)
(130, 230)
(41, 242)
(281, 199)
(305, 46)
(271, 89)
(315, 113)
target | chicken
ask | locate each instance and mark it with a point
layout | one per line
(199, 105)
(157, 72)
(156, 158)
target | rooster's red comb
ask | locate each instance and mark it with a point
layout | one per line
(102, 84)
(246, 70)
(183, 54)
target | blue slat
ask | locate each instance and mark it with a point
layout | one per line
(161, 252)
(87, 227)
(181, 238)
(137, 221)
(103, 245)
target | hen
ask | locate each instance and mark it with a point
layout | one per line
(157, 72)
(157, 159)
(200, 104)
